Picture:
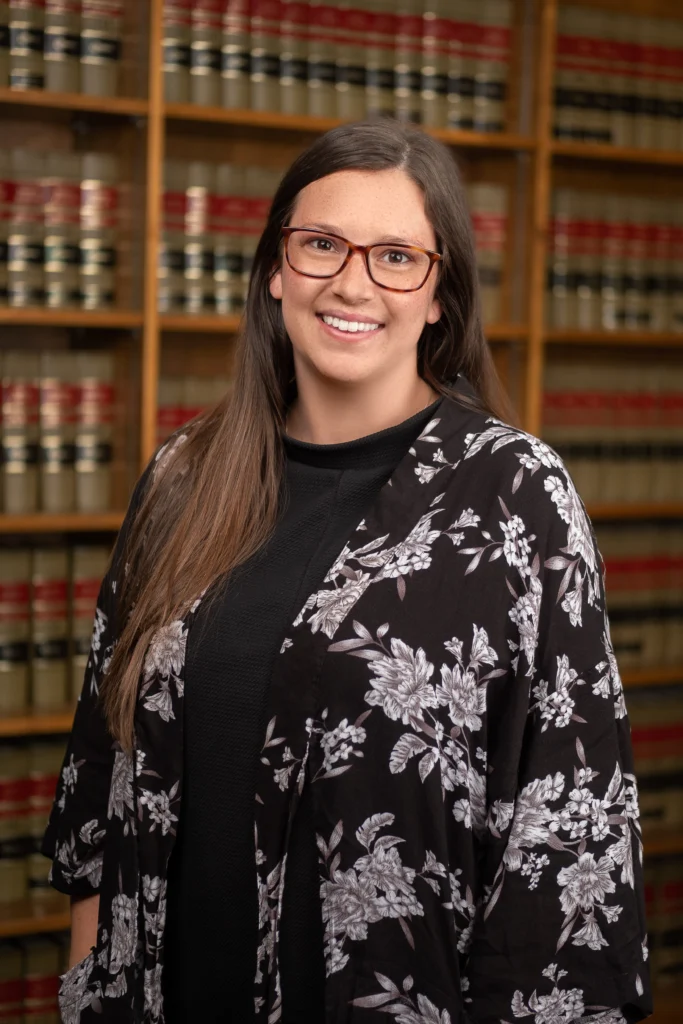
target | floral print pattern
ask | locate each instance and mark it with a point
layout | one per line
(451, 696)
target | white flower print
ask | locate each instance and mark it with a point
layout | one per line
(99, 626)
(401, 686)
(70, 774)
(159, 807)
(402, 1007)
(557, 707)
(124, 935)
(561, 1006)
(572, 512)
(121, 802)
(166, 653)
(610, 683)
(334, 605)
(465, 698)
(585, 883)
(74, 995)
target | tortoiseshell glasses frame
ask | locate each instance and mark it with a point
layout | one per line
(364, 250)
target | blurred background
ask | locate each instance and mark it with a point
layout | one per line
(140, 145)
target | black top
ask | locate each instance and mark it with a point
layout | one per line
(212, 899)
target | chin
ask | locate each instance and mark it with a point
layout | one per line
(344, 371)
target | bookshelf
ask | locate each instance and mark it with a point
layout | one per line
(143, 130)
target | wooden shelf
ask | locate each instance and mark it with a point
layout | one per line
(33, 723)
(622, 154)
(662, 676)
(652, 339)
(41, 98)
(27, 918)
(664, 842)
(667, 1009)
(316, 125)
(38, 317)
(641, 510)
(68, 522)
(205, 324)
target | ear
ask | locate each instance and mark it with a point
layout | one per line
(275, 285)
(434, 312)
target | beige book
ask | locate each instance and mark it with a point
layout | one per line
(26, 31)
(11, 983)
(6, 200)
(646, 128)
(20, 404)
(227, 232)
(324, 23)
(101, 34)
(170, 408)
(435, 63)
(351, 59)
(45, 761)
(493, 57)
(379, 58)
(26, 234)
(206, 38)
(567, 114)
(636, 312)
(561, 308)
(88, 566)
(99, 229)
(50, 668)
(176, 50)
(613, 263)
(294, 67)
(659, 264)
(41, 982)
(408, 60)
(489, 212)
(622, 119)
(235, 54)
(62, 230)
(588, 258)
(15, 629)
(14, 809)
(199, 242)
(59, 398)
(62, 45)
(264, 74)
(171, 288)
(93, 439)
(4, 44)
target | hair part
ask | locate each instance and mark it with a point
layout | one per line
(212, 501)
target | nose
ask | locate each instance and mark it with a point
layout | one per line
(354, 283)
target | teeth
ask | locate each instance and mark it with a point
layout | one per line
(349, 325)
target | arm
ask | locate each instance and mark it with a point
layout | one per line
(84, 913)
(561, 931)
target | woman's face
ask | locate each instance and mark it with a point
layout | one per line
(364, 207)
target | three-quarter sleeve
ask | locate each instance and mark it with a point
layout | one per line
(560, 934)
(77, 825)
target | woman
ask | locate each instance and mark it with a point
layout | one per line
(352, 609)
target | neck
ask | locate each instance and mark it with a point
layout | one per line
(332, 414)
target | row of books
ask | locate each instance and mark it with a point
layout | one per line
(47, 606)
(180, 399)
(619, 78)
(29, 771)
(59, 228)
(56, 422)
(619, 427)
(644, 574)
(664, 911)
(29, 978)
(615, 262)
(213, 216)
(656, 718)
(442, 63)
(61, 45)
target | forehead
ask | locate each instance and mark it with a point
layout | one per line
(364, 205)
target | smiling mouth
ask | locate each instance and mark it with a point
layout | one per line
(349, 326)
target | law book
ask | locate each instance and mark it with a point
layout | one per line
(88, 566)
(19, 432)
(6, 200)
(294, 63)
(14, 820)
(664, 908)
(226, 226)
(489, 212)
(44, 765)
(236, 54)
(62, 45)
(101, 33)
(379, 58)
(206, 39)
(176, 39)
(170, 407)
(59, 396)
(199, 243)
(407, 61)
(323, 40)
(493, 45)
(180, 399)
(668, 74)
(11, 982)
(260, 184)
(26, 30)
(636, 314)
(462, 64)
(93, 456)
(171, 288)
(435, 61)
(99, 223)
(15, 629)
(675, 284)
(264, 62)
(26, 230)
(50, 666)
(350, 75)
(660, 264)
(42, 964)
(4, 44)
(62, 216)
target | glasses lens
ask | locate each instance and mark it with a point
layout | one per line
(398, 266)
(319, 255)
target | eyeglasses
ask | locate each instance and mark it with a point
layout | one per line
(398, 268)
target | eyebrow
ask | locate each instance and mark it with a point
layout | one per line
(330, 229)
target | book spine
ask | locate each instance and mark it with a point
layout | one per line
(20, 405)
(62, 207)
(58, 404)
(264, 63)
(235, 54)
(646, 126)
(321, 62)
(636, 313)
(560, 306)
(379, 59)
(44, 768)
(93, 455)
(15, 626)
(26, 32)
(588, 244)
(26, 234)
(488, 204)
(170, 408)
(613, 263)
(659, 270)
(172, 246)
(41, 981)
(6, 201)
(350, 72)
(205, 52)
(176, 50)
(4, 44)
(493, 44)
(14, 812)
(407, 60)
(199, 244)
(88, 566)
(227, 223)
(294, 59)
(50, 629)
(11, 984)
(436, 30)
(101, 31)
(62, 47)
(99, 217)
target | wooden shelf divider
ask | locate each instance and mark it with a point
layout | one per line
(51, 914)
(67, 522)
(39, 316)
(645, 339)
(662, 675)
(663, 843)
(44, 99)
(637, 510)
(34, 723)
(622, 154)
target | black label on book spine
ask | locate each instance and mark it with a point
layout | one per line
(92, 453)
(408, 80)
(4, 37)
(295, 69)
(22, 251)
(17, 454)
(321, 71)
(351, 74)
(229, 263)
(60, 44)
(381, 78)
(204, 58)
(176, 55)
(55, 649)
(235, 62)
(97, 257)
(60, 254)
(490, 90)
(14, 849)
(24, 40)
(55, 456)
(265, 65)
(14, 652)
(25, 78)
(99, 49)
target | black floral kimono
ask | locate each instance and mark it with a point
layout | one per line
(451, 695)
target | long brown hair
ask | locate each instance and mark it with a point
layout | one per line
(214, 501)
